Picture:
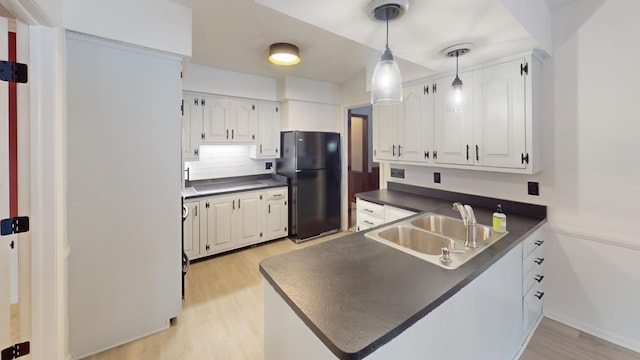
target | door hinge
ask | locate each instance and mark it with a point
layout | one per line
(16, 351)
(201, 136)
(434, 87)
(207, 247)
(253, 107)
(277, 109)
(524, 158)
(348, 167)
(426, 154)
(13, 72)
(260, 234)
(435, 154)
(14, 225)
(524, 69)
(206, 205)
(202, 102)
(425, 90)
(196, 152)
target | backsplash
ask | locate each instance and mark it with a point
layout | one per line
(221, 161)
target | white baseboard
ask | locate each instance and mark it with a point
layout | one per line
(631, 344)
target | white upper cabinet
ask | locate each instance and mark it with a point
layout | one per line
(453, 127)
(268, 142)
(496, 128)
(229, 120)
(191, 126)
(402, 132)
(499, 109)
(385, 131)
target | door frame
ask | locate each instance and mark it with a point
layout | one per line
(365, 156)
(41, 159)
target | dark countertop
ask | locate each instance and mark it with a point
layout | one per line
(357, 294)
(201, 188)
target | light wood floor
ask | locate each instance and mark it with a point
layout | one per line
(222, 318)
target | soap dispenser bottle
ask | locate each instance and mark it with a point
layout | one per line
(499, 220)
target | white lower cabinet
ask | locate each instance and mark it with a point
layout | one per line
(369, 214)
(191, 227)
(224, 222)
(532, 280)
(277, 220)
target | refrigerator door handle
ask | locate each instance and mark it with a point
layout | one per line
(298, 171)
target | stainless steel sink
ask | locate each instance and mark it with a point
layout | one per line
(425, 235)
(450, 227)
(420, 241)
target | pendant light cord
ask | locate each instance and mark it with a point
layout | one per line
(387, 44)
(457, 52)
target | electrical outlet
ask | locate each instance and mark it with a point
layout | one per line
(534, 188)
(436, 177)
(268, 165)
(397, 173)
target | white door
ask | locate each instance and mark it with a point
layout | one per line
(5, 312)
(243, 125)
(269, 130)
(217, 231)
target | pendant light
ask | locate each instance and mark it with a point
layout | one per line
(456, 101)
(386, 83)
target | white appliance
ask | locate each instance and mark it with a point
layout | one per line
(123, 195)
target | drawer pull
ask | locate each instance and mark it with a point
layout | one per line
(539, 294)
(539, 278)
(368, 210)
(368, 222)
(538, 261)
(539, 242)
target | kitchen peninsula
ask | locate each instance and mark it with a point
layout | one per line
(354, 297)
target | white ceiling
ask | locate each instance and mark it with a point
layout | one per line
(337, 39)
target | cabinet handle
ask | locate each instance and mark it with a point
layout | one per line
(231, 133)
(277, 196)
(368, 222)
(539, 261)
(238, 204)
(467, 152)
(227, 133)
(539, 278)
(187, 171)
(233, 205)
(260, 148)
(269, 211)
(399, 152)
(426, 154)
(539, 242)
(393, 150)
(539, 294)
(477, 153)
(368, 210)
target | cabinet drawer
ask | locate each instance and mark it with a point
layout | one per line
(276, 194)
(533, 261)
(369, 208)
(532, 306)
(536, 276)
(365, 220)
(532, 243)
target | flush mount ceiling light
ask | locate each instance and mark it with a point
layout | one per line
(456, 101)
(284, 54)
(386, 83)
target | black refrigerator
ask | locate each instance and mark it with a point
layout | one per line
(311, 163)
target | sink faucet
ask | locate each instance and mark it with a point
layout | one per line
(469, 220)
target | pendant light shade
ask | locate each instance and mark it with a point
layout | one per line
(284, 54)
(386, 83)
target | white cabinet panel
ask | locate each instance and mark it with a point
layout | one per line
(268, 142)
(191, 227)
(385, 133)
(217, 228)
(191, 126)
(249, 218)
(215, 115)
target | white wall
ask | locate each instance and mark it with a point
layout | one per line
(156, 24)
(224, 82)
(590, 181)
(310, 116)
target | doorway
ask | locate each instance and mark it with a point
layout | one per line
(363, 173)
